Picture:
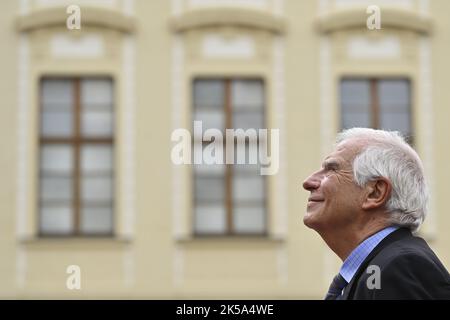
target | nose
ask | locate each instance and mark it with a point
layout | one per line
(312, 182)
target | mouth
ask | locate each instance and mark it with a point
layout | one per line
(315, 200)
(312, 202)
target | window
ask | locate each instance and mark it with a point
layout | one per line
(377, 103)
(229, 199)
(76, 157)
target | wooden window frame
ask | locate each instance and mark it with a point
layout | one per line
(76, 141)
(229, 171)
(375, 108)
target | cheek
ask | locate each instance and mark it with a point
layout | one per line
(329, 186)
(338, 195)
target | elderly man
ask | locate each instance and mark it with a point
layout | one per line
(365, 202)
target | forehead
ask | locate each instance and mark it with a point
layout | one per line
(346, 150)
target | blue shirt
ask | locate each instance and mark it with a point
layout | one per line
(360, 253)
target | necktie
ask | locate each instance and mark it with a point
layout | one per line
(336, 287)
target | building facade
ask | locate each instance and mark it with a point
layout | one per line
(88, 116)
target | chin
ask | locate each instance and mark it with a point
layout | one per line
(310, 220)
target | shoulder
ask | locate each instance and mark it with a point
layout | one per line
(406, 269)
(408, 253)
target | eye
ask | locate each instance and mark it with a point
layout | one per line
(331, 167)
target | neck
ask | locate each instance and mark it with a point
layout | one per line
(345, 240)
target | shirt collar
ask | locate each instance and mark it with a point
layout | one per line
(360, 253)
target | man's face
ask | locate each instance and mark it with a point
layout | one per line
(335, 199)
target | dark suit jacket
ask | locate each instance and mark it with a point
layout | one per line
(409, 269)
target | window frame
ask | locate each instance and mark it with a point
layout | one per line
(227, 110)
(76, 141)
(375, 107)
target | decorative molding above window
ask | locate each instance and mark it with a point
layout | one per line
(214, 17)
(100, 17)
(217, 46)
(86, 46)
(388, 47)
(390, 18)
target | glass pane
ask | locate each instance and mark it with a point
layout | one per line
(248, 169)
(210, 188)
(95, 158)
(210, 119)
(395, 106)
(57, 94)
(210, 219)
(248, 188)
(355, 93)
(57, 158)
(247, 94)
(355, 103)
(96, 220)
(56, 188)
(209, 94)
(248, 120)
(249, 219)
(212, 169)
(96, 93)
(393, 95)
(56, 220)
(97, 124)
(200, 153)
(353, 119)
(96, 188)
(59, 124)
(209, 153)
(396, 121)
(246, 155)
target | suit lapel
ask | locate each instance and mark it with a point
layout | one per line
(394, 236)
(348, 288)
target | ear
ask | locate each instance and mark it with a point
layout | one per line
(378, 193)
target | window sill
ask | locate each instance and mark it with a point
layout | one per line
(76, 242)
(230, 241)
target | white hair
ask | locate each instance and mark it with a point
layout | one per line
(386, 154)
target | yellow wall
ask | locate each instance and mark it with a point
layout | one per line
(157, 257)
